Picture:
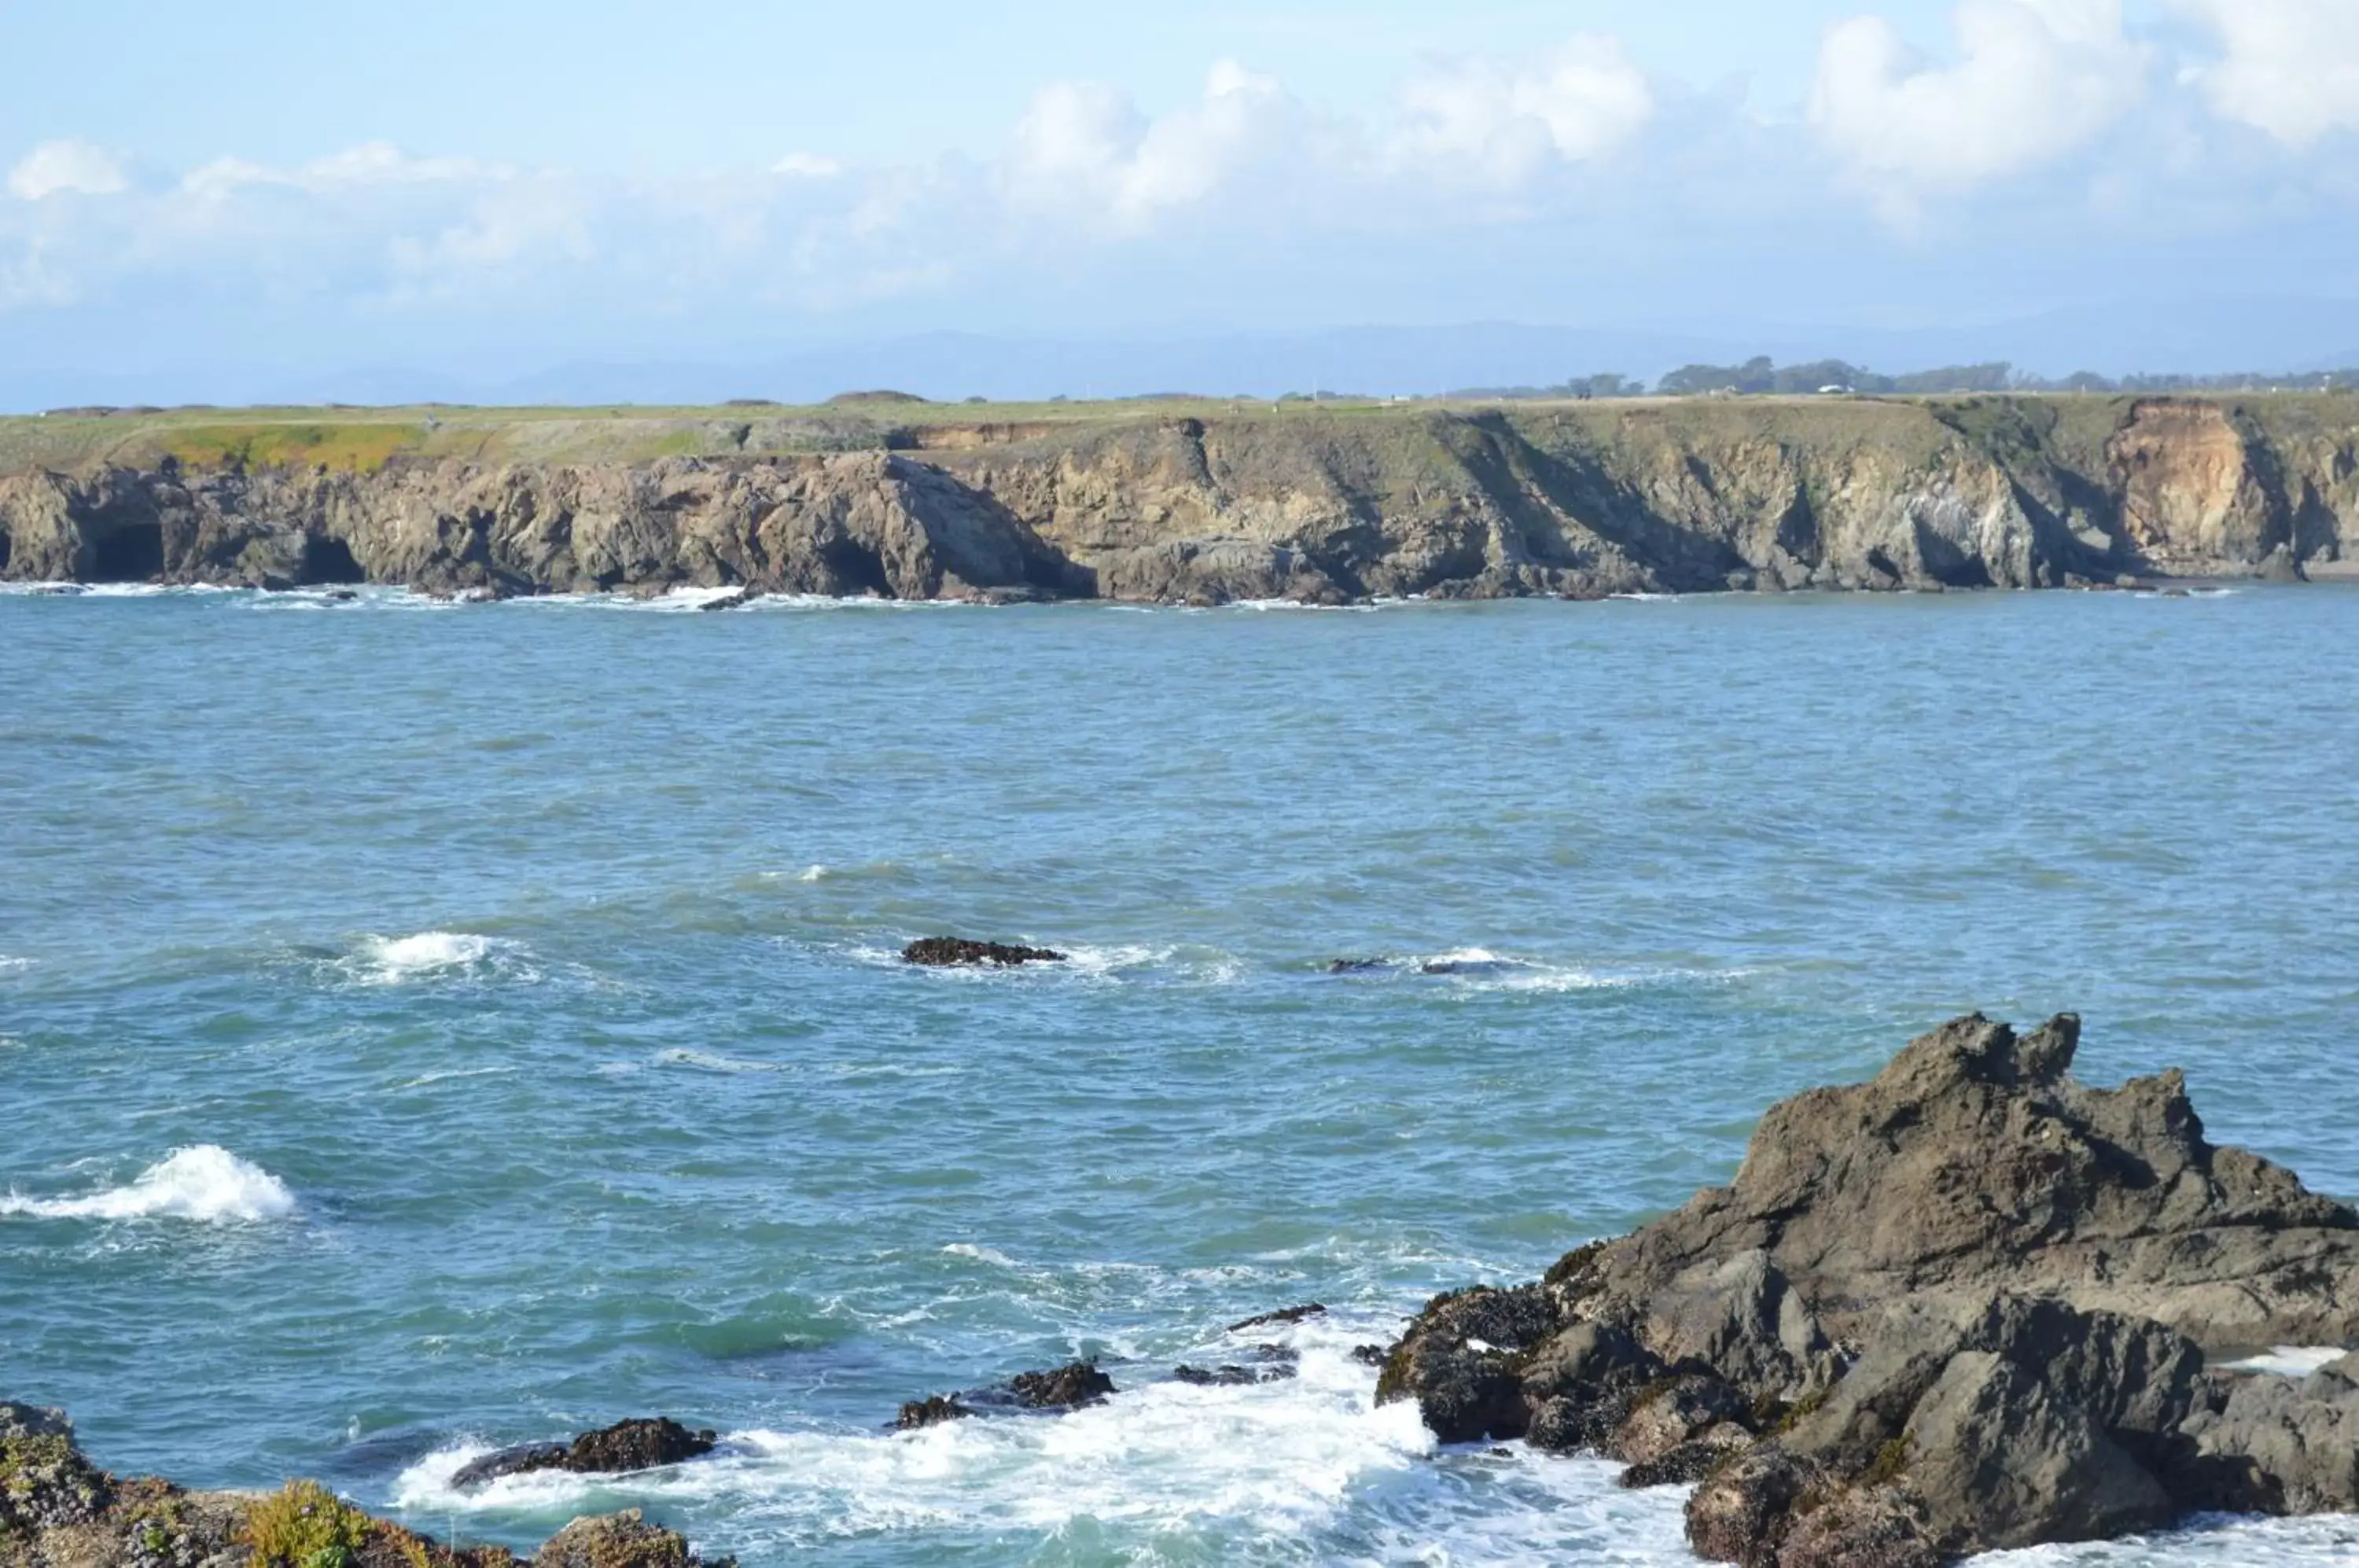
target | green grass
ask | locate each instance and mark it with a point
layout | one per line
(365, 440)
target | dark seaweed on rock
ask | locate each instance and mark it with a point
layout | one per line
(952, 952)
(1965, 1306)
(1302, 1313)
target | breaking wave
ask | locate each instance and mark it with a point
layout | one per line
(390, 961)
(205, 1182)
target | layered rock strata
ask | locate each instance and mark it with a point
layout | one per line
(1317, 508)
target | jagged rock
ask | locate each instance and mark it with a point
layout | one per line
(951, 951)
(1963, 1306)
(1974, 1162)
(625, 1446)
(620, 1540)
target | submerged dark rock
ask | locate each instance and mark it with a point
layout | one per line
(1963, 1307)
(950, 952)
(1302, 1313)
(1069, 1388)
(1229, 1375)
(936, 1411)
(625, 1446)
(1065, 1388)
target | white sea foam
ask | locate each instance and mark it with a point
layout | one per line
(1275, 1459)
(2291, 1360)
(815, 874)
(13, 965)
(990, 1255)
(1213, 1469)
(455, 1073)
(390, 961)
(1481, 969)
(206, 1183)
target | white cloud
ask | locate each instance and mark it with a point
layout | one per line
(1577, 103)
(807, 166)
(370, 164)
(2289, 68)
(1083, 150)
(71, 166)
(2033, 81)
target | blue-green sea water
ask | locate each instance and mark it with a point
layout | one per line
(427, 1027)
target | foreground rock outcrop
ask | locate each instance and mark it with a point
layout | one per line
(1972, 1304)
(59, 1511)
(1315, 508)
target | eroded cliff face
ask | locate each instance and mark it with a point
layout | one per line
(1315, 506)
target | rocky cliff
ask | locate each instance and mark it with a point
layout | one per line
(1326, 505)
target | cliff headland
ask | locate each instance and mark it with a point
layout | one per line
(1195, 501)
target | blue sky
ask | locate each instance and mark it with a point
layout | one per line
(483, 190)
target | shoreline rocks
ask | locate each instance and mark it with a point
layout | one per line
(1972, 1304)
(1073, 1387)
(954, 952)
(58, 1508)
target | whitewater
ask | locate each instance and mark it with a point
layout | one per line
(427, 1033)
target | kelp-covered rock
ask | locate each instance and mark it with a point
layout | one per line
(1963, 1306)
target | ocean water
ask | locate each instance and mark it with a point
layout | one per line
(424, 1027)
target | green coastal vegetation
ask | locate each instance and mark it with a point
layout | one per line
(346, 439)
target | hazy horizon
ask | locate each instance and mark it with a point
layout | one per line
(574, 200)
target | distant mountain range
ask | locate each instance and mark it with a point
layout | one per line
(2184, 335)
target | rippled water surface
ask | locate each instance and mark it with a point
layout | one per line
(424, 1029)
